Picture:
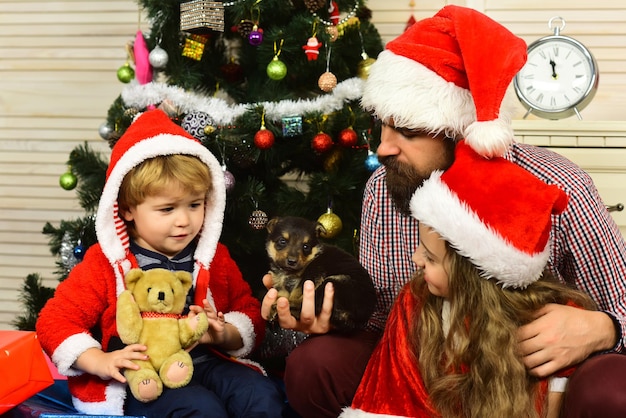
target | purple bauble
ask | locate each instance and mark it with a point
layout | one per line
(255, 38)
(229, 180)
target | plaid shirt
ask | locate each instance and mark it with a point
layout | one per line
(588, 250)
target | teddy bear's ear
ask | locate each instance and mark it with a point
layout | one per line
(185, 278)
(132, 277)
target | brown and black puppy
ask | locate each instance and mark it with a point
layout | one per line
(296, 254)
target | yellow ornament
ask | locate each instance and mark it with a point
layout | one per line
(331, 223)
(364, 67)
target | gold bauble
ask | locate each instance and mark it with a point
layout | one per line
(327, 81)
(332, 160)
(331, 223)
(364, 67)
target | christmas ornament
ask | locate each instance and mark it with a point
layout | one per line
(327, 81)
(333, 11)
(258, 219)
(348, 137)
(292, 126)
(311, 49)
(255, 38)
(331, 223)
(200, 16)
(232, 71)
(314, 5)
(143, 69)
(244, 27)
(195, 123)
(68, 180)
(194, 46)
(321, 142)
(333, 32)
(363, 70)
(264, 138)
(125, 73)
(158, 57)
(276, 69)
(332, 160)
(105, 131)
(169, 108)
(371, 162)
(229, 179)
(66, 253)
(79, 251)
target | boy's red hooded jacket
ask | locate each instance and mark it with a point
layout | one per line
(81, 315)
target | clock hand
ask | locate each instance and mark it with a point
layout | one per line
(553, 64)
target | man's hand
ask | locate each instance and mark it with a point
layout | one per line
(562, 336)
(308, 323)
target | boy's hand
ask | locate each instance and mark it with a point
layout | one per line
(216, 333)
(111, 365)
(308, 323)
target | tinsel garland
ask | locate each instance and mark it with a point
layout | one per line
(142, 96)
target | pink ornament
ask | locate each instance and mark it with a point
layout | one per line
(143, 69)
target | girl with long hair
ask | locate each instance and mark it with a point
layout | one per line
(450, 346)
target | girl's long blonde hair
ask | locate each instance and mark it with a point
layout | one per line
(476, 371)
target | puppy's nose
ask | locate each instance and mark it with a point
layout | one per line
(292, 262)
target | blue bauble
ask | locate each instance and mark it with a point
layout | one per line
(79, 252)
(371, 162)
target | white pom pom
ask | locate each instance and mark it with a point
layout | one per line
(490, 138)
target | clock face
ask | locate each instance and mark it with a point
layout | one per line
(558, 79)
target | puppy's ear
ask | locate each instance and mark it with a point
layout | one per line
(319, 229)
(271, 224)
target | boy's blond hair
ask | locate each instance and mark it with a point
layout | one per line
(155, 174)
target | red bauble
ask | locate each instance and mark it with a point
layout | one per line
(264, 139)
(348, 137)
(322, 142)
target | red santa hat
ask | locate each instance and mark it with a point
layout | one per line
(153, 134)
(493, 212)
(449, 74)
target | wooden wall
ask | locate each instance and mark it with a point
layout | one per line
(58, 63)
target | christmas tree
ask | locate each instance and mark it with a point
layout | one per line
(272, 88)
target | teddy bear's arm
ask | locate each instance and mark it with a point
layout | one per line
(190, 329)
(129, 322)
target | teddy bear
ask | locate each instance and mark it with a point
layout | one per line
(149, 312)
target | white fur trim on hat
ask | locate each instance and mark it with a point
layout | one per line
(416, 97)
(436, 206)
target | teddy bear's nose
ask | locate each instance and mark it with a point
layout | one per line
(161, 295)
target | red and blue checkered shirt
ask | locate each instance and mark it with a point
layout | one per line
(588, 250)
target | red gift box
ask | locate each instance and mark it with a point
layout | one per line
(23, 368)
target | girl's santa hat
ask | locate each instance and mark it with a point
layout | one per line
(153, 134)
(493, 212)
(449, 74)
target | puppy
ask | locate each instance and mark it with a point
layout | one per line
(296, 254)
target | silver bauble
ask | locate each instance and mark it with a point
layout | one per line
(105, 131)
(158, 57)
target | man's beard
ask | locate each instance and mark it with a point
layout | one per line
(403, 179)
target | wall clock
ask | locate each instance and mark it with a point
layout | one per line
(559, 78)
